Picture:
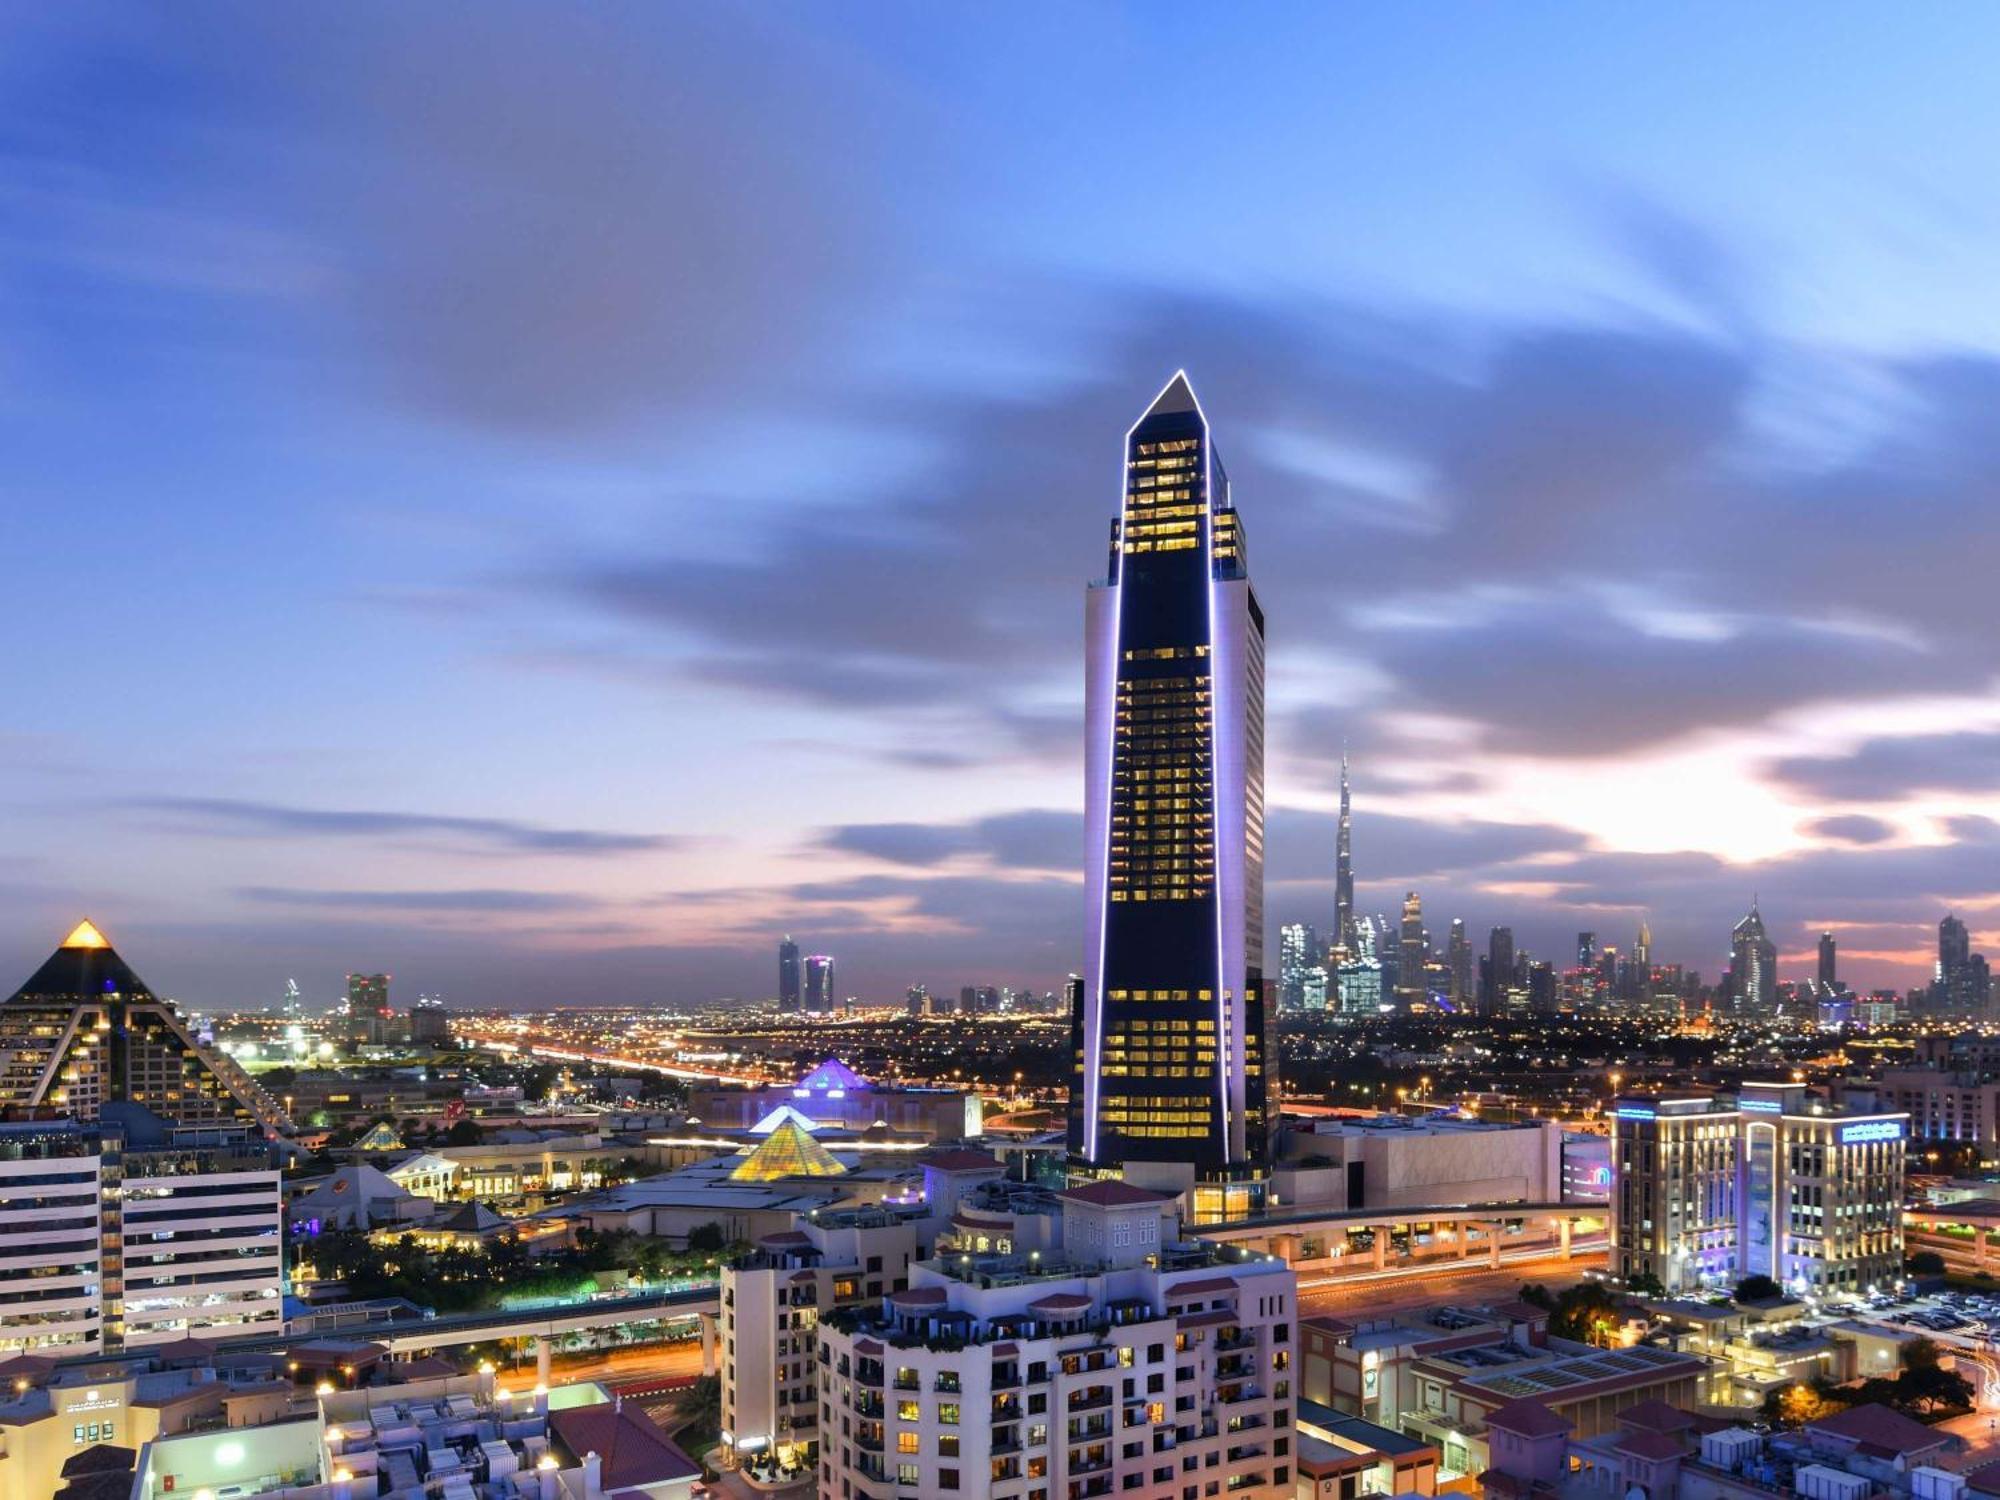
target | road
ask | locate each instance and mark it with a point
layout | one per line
(625, 1366)
(1401, 1288)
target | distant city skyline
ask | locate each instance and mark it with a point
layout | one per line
(553, 570)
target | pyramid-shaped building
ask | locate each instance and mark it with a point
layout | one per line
(787, 1152)
(85, 1031)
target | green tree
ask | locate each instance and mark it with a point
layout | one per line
(707, 1238)
(1927, 1263)
(464, 1133)
(1588, 1314)
(1758, 1289)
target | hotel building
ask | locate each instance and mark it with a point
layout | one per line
(1172, 1080)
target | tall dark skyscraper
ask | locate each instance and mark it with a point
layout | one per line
(1410, 991)
(1343, 866)
(819, 983)
(1173, 1076)
(1458, 952)
(1963, 985)
(1499, 968)
(790, 988)
(1753, 964)
(1586, 950)
(1827, 964)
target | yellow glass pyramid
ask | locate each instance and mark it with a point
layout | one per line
(787, 1152)
(85, 935)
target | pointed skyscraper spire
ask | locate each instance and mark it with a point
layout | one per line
(1343, 876)
(1176, 396)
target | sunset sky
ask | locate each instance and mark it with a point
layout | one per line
(544, 501)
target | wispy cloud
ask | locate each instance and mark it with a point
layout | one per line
(228, 817)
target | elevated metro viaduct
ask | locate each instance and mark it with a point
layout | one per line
(1294, 1237)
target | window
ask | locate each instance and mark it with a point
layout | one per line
(947, 1445)
(947, 1479)
(947, 1413)
(907, 1474)
(907, 1442)
(907, 1411)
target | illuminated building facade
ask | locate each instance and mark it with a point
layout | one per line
(819, 983)
(1778, 1184)
(85, 1031)
(1172, 1079)
(791, 990)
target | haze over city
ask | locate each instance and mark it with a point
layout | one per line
(544, 509)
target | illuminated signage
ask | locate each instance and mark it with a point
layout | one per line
(1637, 1112)
(1762, 1106)
(1871, 1130)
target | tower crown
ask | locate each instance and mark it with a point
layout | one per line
(85, 935)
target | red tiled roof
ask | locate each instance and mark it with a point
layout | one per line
(1527, 1418)
(1985, 1478)
(867, 1346)
(961, 1159)
(1004, 1349)
(629, 1444)
(1112, 1194)
(1651, 1445)
(1655, 1415)
(1206, 1287)
(799, 1276)
(918, 1296)
(1338, 1327)
(785, 1237)
(1518, 1311)
(1205, 1319)
(1882, 1428)
(1060, 1302)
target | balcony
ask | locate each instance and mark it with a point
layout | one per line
(870, 1467)
(1089, 1429)
(1091, 1399)
(1236, 1367)
(908, 1380)
(868, 1443)
(1006, 1409)
(1230, 1395)
(868, 1404)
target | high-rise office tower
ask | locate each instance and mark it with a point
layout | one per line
(1499, 969)
(84, 1031)
(1174, 1074)
(1343, 866)
(1586, 950)
(1458, 953)
(1753, 964)
(1963, 983)
(1827, 963)
(1298, 951)
(791, 989)
(819, 983)
(367, 1010)
(1642, 948)
(1410, 958)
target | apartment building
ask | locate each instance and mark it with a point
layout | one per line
(198, 1249)
(129, 1233)
(835, 1258)
(51, 1263)
(1122, 1360)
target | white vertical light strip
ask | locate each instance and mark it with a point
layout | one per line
(1093, 1005)
(1224, 1039)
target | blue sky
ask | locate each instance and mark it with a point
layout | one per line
(541, 502)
